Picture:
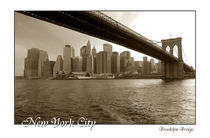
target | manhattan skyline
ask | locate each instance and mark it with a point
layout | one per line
(31, 32)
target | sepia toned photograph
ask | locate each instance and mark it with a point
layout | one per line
(83, 68)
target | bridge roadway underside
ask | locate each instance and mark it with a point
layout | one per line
(86, 23)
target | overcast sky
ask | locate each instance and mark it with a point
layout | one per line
(34, 33)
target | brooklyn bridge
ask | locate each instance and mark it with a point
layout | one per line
(99, 25)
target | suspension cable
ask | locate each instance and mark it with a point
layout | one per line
(185, 56)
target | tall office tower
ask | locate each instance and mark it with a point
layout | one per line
(159, 67)
(127, 54)
(68, 53)
(25, 67)
(130, 67)
(152, 63)
(88, 48)
(123, 63)
(90, 64)
(137, 66)
(99, 59)
(115, 63)
(141, 63)
(101, 62)
(48, 68)
(146, 66)
(83, 51)
(52, 63)
(84, 54)
(58, 67)
(94, 52)
(108, 49)
(32, 64)
(77, 64)
(94, 64)
(124, 57)
(43, 56)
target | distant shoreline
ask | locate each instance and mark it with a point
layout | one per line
(121, 78)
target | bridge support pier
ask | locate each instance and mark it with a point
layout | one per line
(172, 70)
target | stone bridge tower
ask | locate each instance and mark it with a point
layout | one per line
(173, 70)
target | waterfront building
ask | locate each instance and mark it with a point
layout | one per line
(77, 64)
(138, 66)
(43, 56)
(159, 67)
(115, 63)
(101, 62)
(47, 71)
(94, 52)
(85, 52)
(152, 64)
(146, 66)
(124, 57)
(90, 64)
(123, 63)
(58, 67)
(130, 66)
(88, 48)
(126, 54)
(31, 64)
(68, 53)
(108, 49)
(52, 63)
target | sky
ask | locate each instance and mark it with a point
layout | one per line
(155, 25)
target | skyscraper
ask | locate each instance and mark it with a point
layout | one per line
(108, 49)
(68, 53)
(84, 58)
(31, 64)
(43, 56)
(124, 57)
(115, 63)
(85, 53)
(88, 48)
(58, 67)
(101, 62)
(152, 63)
(48, 68)
(90, 65)
(138, 66)
(94, 52)
(77, 64)
(130, 67)
(127, 54)
(159, 67)
(146, 68)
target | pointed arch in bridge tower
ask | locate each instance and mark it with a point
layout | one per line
(173, 70)
(175, 51)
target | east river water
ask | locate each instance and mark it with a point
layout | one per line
(128, 101)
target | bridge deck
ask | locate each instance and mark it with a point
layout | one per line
(99, 25)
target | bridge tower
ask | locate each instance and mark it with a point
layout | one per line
(173, 70)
